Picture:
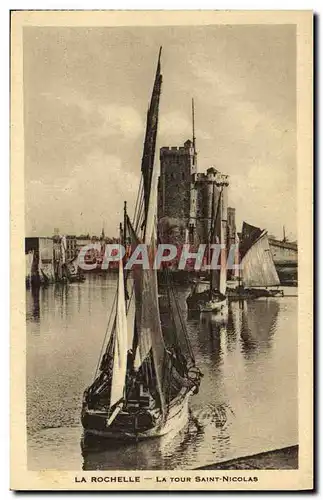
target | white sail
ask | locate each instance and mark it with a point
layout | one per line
(63, 249)
(29, 262)
(147, 311)
(45, 262)
(120, 344)
(258, 268)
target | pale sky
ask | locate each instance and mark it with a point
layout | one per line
(86, 93)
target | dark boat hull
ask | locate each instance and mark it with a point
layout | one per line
(252, 293)
(203, 302)
(147, 423)
(76, 279)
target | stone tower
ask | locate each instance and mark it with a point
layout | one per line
(176, 192)
(208, 187)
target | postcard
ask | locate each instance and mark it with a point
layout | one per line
(161, 250)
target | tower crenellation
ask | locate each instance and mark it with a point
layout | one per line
(177, 165)
(186, 199)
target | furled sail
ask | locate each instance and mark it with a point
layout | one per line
(120, 344)
(63, 249)
(147, 162)
(258, 268)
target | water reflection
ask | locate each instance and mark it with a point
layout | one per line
(61, 296)
(209, 339)
(258, 325)
(33, 305)
(239, 409)
(35, 293)
(154, 453)
(233, 325)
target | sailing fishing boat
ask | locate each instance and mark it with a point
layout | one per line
(257, 270)
(74, 272)
(210, 295)
(142, 390)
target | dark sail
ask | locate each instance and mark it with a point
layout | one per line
(148, 156)
(258, 268)
(248, 236)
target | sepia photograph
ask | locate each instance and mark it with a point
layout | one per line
(161, 230)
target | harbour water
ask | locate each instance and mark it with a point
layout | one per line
(247, 401)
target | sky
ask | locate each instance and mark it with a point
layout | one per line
(86, 94)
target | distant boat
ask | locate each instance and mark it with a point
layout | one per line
(74, 272)
(146, 374)
(210, 295)
(257, 269)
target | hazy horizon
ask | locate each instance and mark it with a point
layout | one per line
(86, 93)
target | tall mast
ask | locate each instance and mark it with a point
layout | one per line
(124, 242)
(193, 127)
(125, 224)
(284, 234)
(120, 233)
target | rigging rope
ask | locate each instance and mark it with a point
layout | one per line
(139, 206)
(184, 329)
(137, 199)
(105, 335)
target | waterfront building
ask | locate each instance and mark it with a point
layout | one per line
(39, 253)
(285, 256)
(71, 247)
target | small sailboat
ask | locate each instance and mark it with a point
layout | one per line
(147, 372)
(74, 272)
(257, 274)
(210, 295)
